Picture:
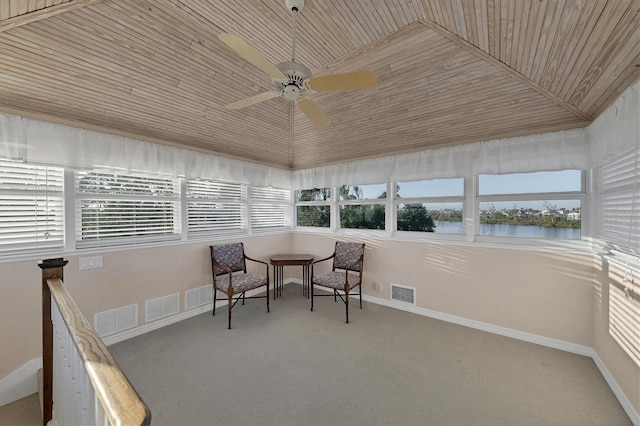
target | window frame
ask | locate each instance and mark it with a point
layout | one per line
(286, 203)
(362, 202)
(429, 199)
(34, 192)
(241, 201)
(329, 202)
(174, 201)
(531, 196)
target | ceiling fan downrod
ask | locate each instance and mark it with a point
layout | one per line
(295, 6)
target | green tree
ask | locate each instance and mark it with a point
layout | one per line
(414, 217)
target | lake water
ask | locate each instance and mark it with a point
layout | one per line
(499, 230)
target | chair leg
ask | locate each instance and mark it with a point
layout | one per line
(311, 296)
(230, 304)
(346, 302)
(335, 295)
(267, 296)
(215, 294)
(360, 295)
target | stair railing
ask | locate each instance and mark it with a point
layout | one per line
(82, 384)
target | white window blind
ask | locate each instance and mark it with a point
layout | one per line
(215, 207)
(618, 183)
(270, 208)
(114, 208)
(31, 207)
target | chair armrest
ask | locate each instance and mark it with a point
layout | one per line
(259, 261)
(255, 260)
(322, 260)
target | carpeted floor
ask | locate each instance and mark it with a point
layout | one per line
(386, 367)
(23, 412)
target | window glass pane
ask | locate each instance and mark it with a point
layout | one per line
(442, 218)
(315, 194)
(270, 208)
(531, 219)
(318, 216)
(363, 192)
(214, 206)
(359, 216)
(618, 210)
(124, 208)
(431, 188)
(527, 183)
(31, 207)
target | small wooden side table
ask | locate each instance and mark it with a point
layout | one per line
(279, 261)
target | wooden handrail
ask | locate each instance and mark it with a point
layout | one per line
(121, 403)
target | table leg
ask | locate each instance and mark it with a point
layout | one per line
(305, 280)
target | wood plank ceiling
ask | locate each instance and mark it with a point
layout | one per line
(449, 71)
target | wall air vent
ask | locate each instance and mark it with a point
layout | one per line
(197, 296)
(161, 307)
(114, 320)
(403, 294)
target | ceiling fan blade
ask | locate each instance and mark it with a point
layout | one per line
(253, 100)
(314, 114)
(352, 80)
(251, 55)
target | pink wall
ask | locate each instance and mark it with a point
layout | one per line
(128, 276)
(547, 294)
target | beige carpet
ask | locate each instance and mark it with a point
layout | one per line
(23, 412)
(386, 367)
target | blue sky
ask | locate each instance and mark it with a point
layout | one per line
(539, 182)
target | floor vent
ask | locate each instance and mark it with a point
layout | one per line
(114, 320)
(197, 296)
(161, 307)
(403, 294)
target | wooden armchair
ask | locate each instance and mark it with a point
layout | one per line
(345, 275)
(228, 259)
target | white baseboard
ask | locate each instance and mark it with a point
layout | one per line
(627, 406)
(22, 382)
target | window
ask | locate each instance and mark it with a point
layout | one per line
(31, 207)
(313, 207)
(434, 205)
(114, 208)
(270, 208)
(618, 209)
(532, 205)
(215, 207)
(362, 207)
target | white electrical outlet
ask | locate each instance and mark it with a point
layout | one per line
(90, 262)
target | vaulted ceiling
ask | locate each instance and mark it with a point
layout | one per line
(449, 71)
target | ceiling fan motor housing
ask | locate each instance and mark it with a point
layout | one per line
(294, 5)
(296, 74)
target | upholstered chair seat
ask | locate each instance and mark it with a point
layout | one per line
(337, 280)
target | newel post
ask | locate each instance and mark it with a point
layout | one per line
(51, 268)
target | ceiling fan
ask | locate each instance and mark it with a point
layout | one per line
(292, 80)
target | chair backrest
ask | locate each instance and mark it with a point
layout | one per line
(347, 254)
(230, 256)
